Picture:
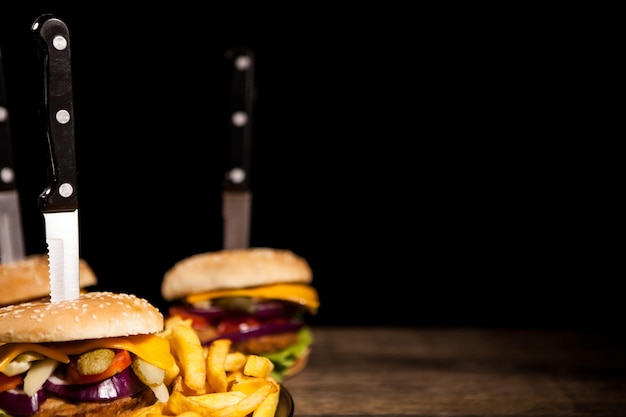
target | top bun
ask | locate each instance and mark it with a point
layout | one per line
(93, 315)
(234, 269)
(29, 278)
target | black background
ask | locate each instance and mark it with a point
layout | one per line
(427, 163)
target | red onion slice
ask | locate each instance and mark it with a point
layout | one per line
(263, 329)
(17, 403)
(123, 384)
(264, 310)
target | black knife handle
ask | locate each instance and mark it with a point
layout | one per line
(240, 62)
(53, 38)
(7, 173)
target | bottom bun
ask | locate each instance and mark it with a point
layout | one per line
(299, 365)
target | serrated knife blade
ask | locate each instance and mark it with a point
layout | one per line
(11, 233)
(236, 192)
(59, 201)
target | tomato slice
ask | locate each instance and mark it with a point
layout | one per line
(10, 382)
(197, 321)
(238, 325)
(120, 361)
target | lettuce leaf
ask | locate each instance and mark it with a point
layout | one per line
(285, 358)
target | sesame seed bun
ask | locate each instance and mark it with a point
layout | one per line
(233, 269)
(29, 279)
(93, 315)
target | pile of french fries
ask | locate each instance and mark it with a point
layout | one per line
(212, 381)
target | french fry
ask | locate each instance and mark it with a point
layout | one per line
(258, 366)
(179, 403)
(172, 322)
(247, 405)
(188, 349)
(235, 361)
(217, 400)
(268, 406)
(233, 376)
(216, 361)
(185, 414)
(171, 373)
(212, 381)
(179, 386)
(248, 385)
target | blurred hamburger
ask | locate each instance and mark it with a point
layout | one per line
(29, 278)
(257, 297)
(98, 355)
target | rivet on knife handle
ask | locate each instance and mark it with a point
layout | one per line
(59, 201)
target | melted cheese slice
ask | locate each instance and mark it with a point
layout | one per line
(304, 295)
(151, 348)
(10, 351)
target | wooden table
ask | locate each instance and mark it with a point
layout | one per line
(461, 372)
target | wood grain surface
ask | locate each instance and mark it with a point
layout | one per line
(461, 372)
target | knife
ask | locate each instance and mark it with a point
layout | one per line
(236, 192)
(11, 235)
(59, 200)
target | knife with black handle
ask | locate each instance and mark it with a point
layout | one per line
(11, 234)
(59, 200)
(236, 192)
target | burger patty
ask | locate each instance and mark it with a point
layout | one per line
(256, 345)
(266, 344)
(56, 407)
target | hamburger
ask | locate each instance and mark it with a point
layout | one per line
(29, 279)
(259, 298)
(98, 355)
